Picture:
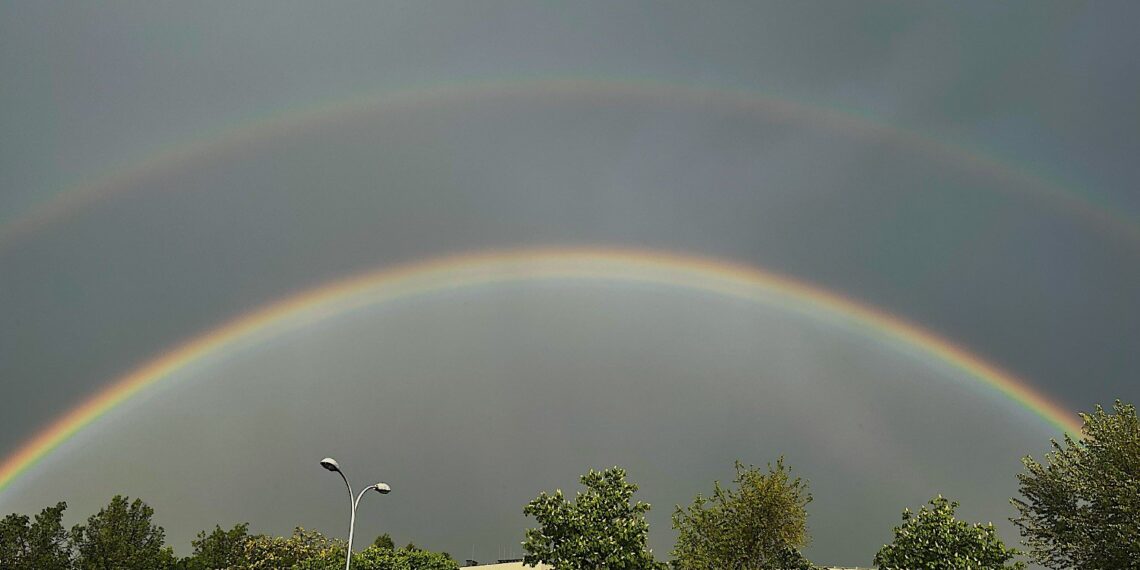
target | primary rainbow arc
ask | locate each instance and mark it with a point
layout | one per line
(495, 267)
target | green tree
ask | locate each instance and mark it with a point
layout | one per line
(384, 541)
(759, 525)
(1082, 508)
(378, 558)
(327, 560)
(219, 550)
(600, 530)
(303, 547)
(41, 544)
(120, 536)
(934, 540)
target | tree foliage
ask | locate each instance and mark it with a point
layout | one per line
(379, 558)
(934, 540)
(219, 550)
(275, 552)
(121, 535)
(1082, 508)
(600, 529)
(384, 541)
(759, 525)
(41, 544)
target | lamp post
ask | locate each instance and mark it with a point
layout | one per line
(382, 488)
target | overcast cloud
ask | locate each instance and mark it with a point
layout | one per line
(471, 402)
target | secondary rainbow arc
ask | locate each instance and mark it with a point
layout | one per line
(390, 284)
(288, 121)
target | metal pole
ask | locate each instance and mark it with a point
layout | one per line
(351, 521)
(352, 524)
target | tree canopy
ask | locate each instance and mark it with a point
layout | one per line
(121, 535)
(41, 544)
(384, 541)
(933, 539)
(600, 529)
(275, 552)
(219, 549)
(759, 525)
(1082, 507)
(379, 558)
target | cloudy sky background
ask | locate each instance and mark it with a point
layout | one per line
(540, 125)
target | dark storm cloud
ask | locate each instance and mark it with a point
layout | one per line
(1039, 291)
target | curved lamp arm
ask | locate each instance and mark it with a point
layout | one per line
(331, 464)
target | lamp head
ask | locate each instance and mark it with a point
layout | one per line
(382, 488)
(330, 464)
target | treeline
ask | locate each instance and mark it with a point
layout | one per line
(123, 536)
(1078, 509)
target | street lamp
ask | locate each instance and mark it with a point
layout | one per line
(382, 488)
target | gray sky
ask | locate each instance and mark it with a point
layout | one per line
(476, 400)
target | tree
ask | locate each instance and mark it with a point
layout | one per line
(121, 535)
(327, 560)
(934, 540)
(384, 541)
(35, 545)
(378, 558)
(600, 530)
(304, 546)
(759, 525)
(1082, 509)
(219, 550)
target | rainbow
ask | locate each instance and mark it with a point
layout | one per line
(289, 121)
(654, 268)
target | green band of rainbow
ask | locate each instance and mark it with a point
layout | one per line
(605, 265)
